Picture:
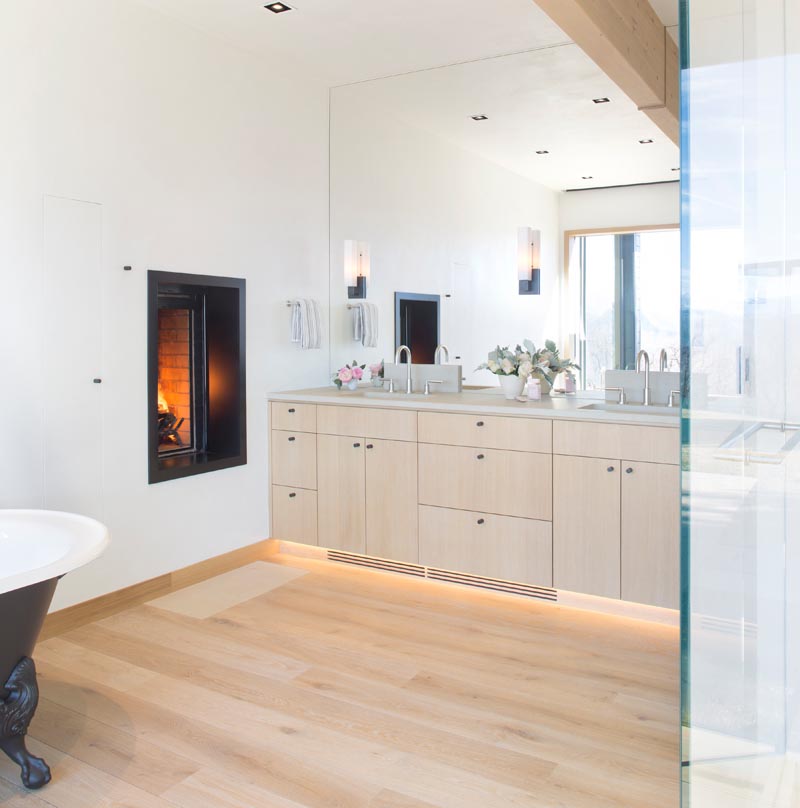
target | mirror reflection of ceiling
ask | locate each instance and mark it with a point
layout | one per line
(539, 101)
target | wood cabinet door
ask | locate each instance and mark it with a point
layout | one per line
(294, 459)
(651, 534)
(294, 514)
(341, 493)
(586, 525)
(391, 502)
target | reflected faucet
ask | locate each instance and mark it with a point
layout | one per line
(644, 355)
(663, 361)
(437, 355)
(397, 355)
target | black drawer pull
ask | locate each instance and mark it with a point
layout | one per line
(291, 409)
(481, 521)
(629, 470)
(356, 445)
(370, 446)
(292, 495)
(480, 457)
(292, 439)
(480, 423)
(610, 468)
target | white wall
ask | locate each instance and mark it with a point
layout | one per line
(439, 220)
(204, 161)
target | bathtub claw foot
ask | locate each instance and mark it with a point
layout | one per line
(16, 713)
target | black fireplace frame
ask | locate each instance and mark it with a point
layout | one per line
(219, 438)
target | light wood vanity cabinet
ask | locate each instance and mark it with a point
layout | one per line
(538, 501)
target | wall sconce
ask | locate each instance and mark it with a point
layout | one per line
(529, 249)
(356, 268)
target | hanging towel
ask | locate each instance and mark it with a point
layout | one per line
(365, 324)
(306, 323)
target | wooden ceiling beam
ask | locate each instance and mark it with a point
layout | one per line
(629, 43)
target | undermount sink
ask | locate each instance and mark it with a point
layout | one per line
(638, 409)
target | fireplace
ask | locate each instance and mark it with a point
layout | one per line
(196, 374)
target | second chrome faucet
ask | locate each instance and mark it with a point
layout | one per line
(398, 355)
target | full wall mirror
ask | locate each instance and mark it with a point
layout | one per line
(450, 197)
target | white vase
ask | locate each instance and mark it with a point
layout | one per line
(512, 386)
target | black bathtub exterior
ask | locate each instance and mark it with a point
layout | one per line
(22, 613)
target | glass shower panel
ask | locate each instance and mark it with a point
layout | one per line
(741, 419)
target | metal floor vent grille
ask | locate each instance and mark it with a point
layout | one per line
(447, 576)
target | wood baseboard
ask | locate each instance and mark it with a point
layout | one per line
(104, 606)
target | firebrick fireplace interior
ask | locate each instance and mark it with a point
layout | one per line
(196, 374)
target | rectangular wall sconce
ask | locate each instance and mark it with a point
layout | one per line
(356, 268)
(529, 249)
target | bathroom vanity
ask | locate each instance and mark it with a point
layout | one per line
(562, 494)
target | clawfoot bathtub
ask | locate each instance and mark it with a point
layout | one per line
(36, 549)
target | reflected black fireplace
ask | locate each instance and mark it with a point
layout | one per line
(196, 374)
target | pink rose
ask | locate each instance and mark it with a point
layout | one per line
(358, 373)
(345, 375)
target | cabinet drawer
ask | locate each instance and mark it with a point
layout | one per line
(294, 459)
(487, 431)
(294, 514)
(484, 544)
(650, 444)
(492, 480)
(367, 422)
(297, 417)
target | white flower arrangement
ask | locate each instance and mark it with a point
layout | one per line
(526, 360)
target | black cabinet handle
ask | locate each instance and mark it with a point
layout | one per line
(480, 457)
(629, 470)
(97, 381)
(370, 446)
(356, 445)
(480, 423)
(291, 440)
(292, 495)
(481, 521)
(610, 468)
(291, 409)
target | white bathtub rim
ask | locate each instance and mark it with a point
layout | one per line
(90, 540)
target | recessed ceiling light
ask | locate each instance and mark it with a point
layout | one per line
(587, 178)
(645, 141)
(480, 117)
(542, 151)
(601, 100)
(277, 8)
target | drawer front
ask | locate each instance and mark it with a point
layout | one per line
(294, 514)
(649, 444)
(491, 480)
(294, 459)
(484, 544)
(487, 431)
(294, 417)
(368, 422)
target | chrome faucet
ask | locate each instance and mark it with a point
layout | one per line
(663, 361)
(397, 355)
(437, 355)
(644, 355)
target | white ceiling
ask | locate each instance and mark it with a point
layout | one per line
(353, 40)
(534, 101)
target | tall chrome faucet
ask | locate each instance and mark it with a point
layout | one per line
(397, 355)
(644, 355)
(437, 355)
(663, 361)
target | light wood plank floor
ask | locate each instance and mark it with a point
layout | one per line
(348, 688)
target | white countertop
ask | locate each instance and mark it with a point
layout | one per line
(488, 401)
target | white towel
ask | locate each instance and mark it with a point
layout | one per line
(365, 324)
(306, 323)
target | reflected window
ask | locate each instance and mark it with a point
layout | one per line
(629, 299)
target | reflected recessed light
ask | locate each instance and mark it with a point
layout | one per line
(601, 100)
(480, 117)
(645, 141)
(542, 151)
(277, 8)
(587, 178)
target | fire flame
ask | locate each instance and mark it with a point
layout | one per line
(163, 406)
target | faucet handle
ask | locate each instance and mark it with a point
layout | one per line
(428, 384)
(672, 394)
(622, 399)
(391, 385)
